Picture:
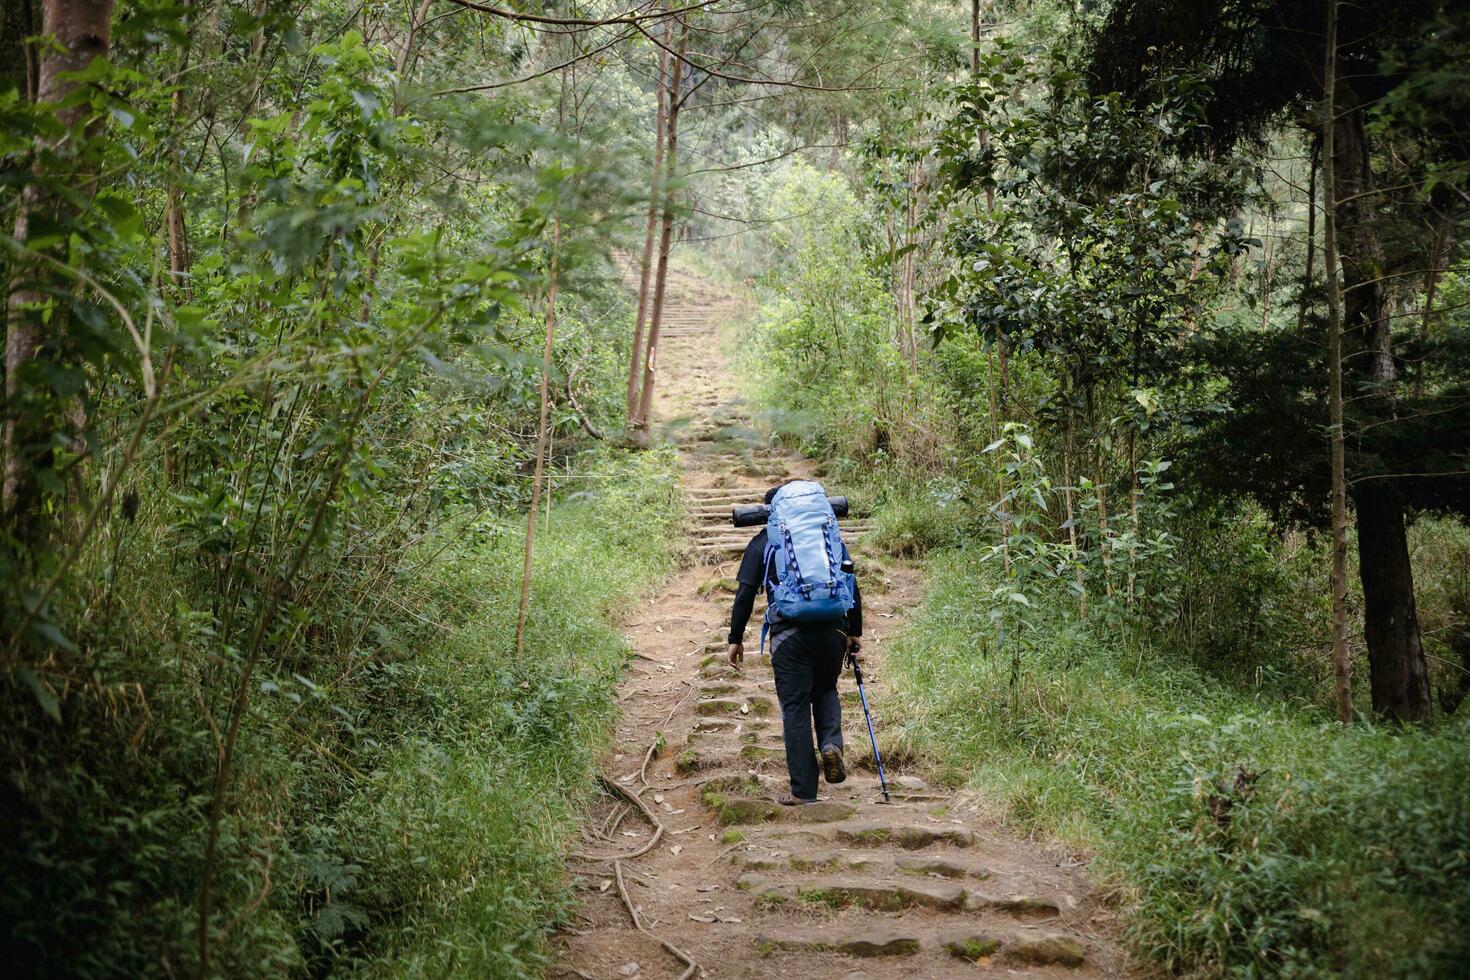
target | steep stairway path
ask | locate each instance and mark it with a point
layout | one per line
(929, 885)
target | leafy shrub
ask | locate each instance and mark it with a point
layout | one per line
(403, 816)
(1252, 836)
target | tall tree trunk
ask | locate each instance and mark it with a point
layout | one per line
(178, 233)
(661, 277)
(541, 434)
(910, 263)
(1390, 619)
(1068, 422)
(646, 265)
(81, 31)
(1341, 666)
(1301, 319)
(900, 335)
(1398, 675)
(975, 38)
(1431, 284)
(984, 134)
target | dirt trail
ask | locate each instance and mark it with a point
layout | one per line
(927, 886)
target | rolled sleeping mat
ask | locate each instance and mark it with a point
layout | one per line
(751, 515)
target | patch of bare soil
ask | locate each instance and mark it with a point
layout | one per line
(929, 885)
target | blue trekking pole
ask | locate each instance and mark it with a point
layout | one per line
(857, 673)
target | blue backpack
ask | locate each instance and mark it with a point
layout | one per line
(805, 550)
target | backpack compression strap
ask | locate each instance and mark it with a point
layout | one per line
(766, 584)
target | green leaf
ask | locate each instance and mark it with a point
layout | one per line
(50, 632)
(45, 697)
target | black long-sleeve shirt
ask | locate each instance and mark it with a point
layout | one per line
(750, 580)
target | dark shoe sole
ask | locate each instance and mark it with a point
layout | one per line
(832, 766)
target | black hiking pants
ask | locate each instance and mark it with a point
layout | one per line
(807, 661)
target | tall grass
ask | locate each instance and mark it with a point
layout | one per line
(402, 813)
(1249, 834)
(469, 814)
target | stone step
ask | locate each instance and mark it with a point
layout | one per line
(1047, 951)
(847, 862)
(758, 754)
(705, 536)
(907, 935)
(1023, 907)
(730, 725)
(908, 836)
(756, 704)
(905, 938)
(734, 800)
(881, 896)
(811, 861)
(873, 941)
(968, 942)
(702, 493)
(751, 809)
(925, 864)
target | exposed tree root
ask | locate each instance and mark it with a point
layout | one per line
(694, 968)
(637, 801)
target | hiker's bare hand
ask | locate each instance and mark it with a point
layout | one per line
(854, 645)
(737, 655)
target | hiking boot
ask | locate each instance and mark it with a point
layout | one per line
(789, 800)
(832, 766)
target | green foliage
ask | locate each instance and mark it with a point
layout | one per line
(824, 334)
(402, 811)
(261, 571)
(1250, 836)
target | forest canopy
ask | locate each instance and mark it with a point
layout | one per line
(1142, 327)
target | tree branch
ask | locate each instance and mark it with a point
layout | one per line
(630, 17)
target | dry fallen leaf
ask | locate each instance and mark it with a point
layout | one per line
(702, 918)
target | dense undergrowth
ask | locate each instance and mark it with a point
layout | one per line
(401, 815)
(1250, 834)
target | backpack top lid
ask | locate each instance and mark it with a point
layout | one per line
(801, 495)
(797, 529)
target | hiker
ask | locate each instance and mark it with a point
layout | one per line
(808, 646)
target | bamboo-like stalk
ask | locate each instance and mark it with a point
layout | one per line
(661, 276)
(646, 265)
(541, 433)
(1341, 664)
